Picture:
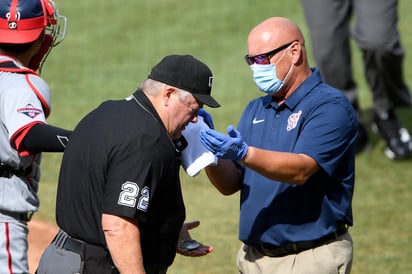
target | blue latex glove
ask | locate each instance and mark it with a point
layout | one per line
(223, 146)
(206, 117)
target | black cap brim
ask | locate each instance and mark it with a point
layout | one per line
(207, 100)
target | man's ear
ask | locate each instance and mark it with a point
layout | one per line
(296, 50)
(167, 93)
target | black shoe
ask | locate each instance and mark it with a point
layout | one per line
(362, 143)
(398, 140)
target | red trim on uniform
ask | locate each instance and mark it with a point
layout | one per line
(9, 260)
(17, 139)
(17, 70)
(8, 56)
(10, 59)
(39, 95)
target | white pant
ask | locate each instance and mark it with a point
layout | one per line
(13, 245)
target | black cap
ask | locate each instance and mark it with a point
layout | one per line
(187, 73)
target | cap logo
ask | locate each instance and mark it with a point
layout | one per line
(13, 24)
(210, 81)
(16, 17)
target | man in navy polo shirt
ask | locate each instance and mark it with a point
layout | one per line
(292, 157)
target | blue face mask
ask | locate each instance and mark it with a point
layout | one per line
(266, 79)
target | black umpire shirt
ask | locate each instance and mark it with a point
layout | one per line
(121, 161)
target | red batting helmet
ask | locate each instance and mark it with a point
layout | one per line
(22, 21)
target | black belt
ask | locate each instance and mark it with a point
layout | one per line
(96, 258)
(73, 245)
(295, 248)
(63, 240)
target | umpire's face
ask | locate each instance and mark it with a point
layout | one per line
(181, 108)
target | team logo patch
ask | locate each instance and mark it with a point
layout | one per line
(293, 120)
(30, 111)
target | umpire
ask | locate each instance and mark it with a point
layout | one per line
(119, 202)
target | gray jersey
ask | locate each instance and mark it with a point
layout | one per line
(24, 102)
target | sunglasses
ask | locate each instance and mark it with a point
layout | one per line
(264, 58)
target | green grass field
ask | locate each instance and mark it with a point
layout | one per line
(110, 48)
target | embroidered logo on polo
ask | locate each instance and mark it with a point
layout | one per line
(30, 111)
(293, 120)
(257, 121)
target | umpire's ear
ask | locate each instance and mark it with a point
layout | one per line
(167, 93)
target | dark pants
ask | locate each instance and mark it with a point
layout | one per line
(375, 31)
(66, 255)
(155, 269)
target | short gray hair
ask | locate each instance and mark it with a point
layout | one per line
(152, 87)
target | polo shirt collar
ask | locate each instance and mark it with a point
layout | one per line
(311, 82)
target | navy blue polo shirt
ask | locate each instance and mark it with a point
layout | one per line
(316, 120)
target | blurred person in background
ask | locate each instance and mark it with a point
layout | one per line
(375, 31)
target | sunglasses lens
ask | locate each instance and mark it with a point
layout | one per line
(261, 59)
(249, 60)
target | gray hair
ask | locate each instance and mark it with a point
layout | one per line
(152, 87)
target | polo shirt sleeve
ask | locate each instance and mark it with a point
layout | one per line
(328, 133)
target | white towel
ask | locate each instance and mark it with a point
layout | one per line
(195, 156)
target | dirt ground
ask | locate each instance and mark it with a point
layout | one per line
(40, 236)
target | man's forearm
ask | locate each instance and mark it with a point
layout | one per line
(123, 241)
(225, 176)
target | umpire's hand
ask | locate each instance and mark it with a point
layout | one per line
(189, 247)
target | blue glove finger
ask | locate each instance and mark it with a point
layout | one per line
(214, 141)
(238, 147)
(211, 139)
(232, 131)
(206, 117)
(224, 146)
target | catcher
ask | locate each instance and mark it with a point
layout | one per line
(29, 29)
